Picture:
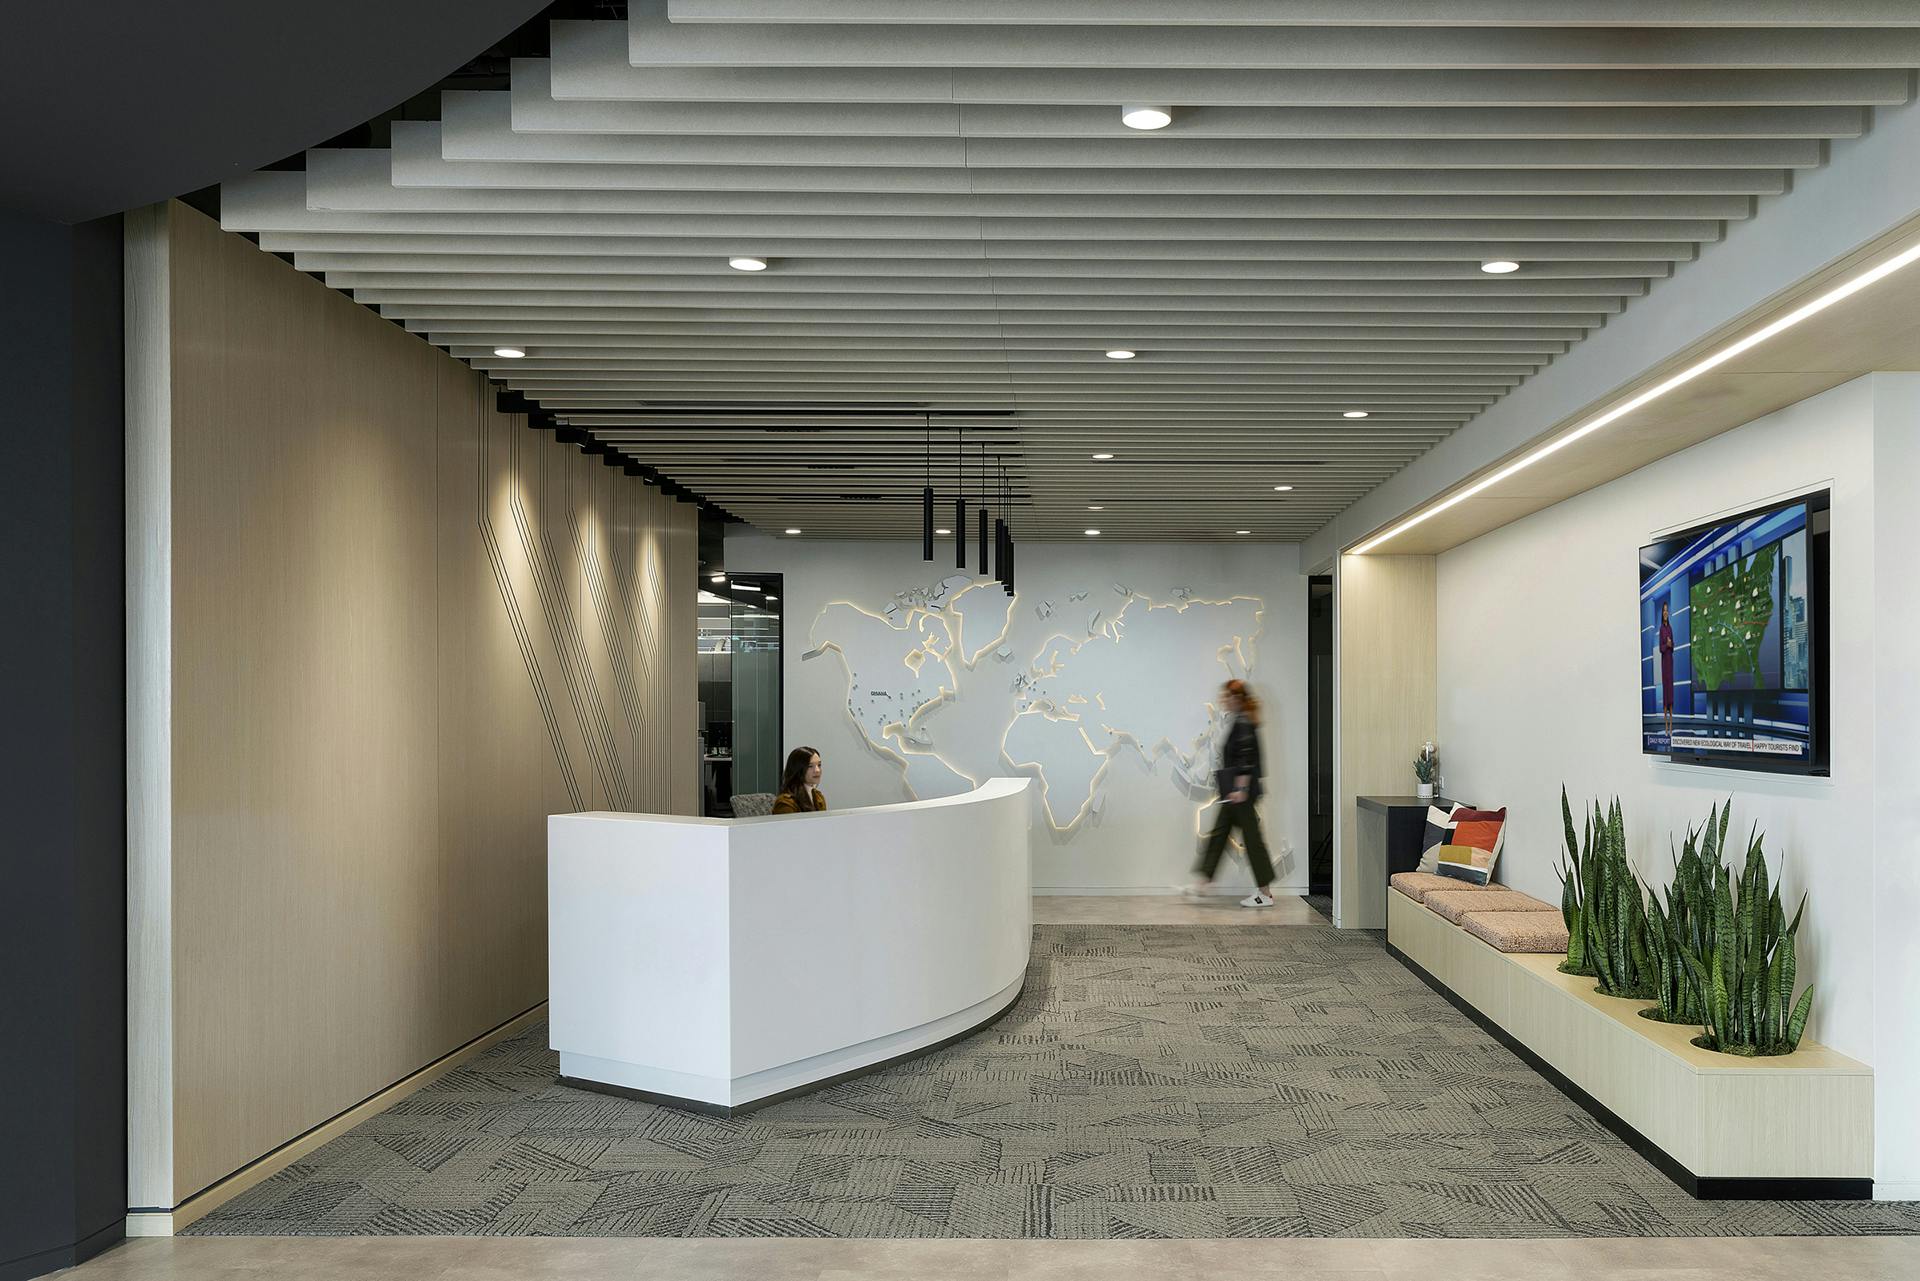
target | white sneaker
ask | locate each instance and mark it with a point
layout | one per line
(1257, 899)
(1193, 893)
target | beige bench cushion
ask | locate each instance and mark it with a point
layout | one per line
(1417, 885)
(1518, 931)
(1455, 903)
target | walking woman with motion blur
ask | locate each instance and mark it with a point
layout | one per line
(800, 784)
(1238, 781)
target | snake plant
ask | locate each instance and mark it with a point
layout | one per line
(1685, 920)
(1573, 903)
(1745, 977)
(1604, 905)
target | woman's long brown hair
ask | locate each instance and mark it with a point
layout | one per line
(1249, 705)
(793, 779)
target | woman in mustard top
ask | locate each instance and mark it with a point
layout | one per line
(800, 784)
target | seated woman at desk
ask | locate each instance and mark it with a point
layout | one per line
(800, 784)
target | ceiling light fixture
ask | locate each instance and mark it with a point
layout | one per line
(1000, 569)
(1355, 413)
(959, 495)
(1096, 509)
(1003, 531)
(1101, 458)
(747, 264)
(926, 500)
(509, 353)
(1243, 531)
(943, 532)
(1283, 489)
(985, 490)
(1120, 353)
(718, 578)
(1839, 293)
(1093, 533)
(1499, 266)
(1137, 115)
(793, 531)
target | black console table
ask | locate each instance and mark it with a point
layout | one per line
(1387, 832)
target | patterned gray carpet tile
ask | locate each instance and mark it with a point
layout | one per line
(1153, 1081)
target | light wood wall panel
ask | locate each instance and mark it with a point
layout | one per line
(1387, 707)
(402, 630)
(149, 347)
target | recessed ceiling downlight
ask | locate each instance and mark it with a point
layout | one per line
(1355, 413)
(1283, 489)
(747, 264)
(1499, 266)
(1136, 115)
(1093, 533)
(510, 353)
(793, 531)
(1243, 531)
(1101, 458)
(943, 532)
(1120, 353)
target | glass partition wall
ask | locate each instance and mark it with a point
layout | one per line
(740, 720)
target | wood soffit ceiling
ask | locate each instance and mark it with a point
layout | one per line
(958, 227)
(1877, 329)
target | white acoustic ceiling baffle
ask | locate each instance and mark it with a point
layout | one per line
(957, 226)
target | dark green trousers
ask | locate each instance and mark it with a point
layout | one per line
(1240, 815)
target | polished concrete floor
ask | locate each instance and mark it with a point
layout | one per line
(577, 1259)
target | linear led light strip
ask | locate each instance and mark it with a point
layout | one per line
(1721, 357)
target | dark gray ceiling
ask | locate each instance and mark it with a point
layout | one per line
(958, 223)
(118, 104)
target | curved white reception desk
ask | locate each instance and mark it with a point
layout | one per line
(721, 964)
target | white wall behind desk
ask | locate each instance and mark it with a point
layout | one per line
(1140, 834)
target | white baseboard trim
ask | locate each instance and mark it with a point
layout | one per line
(165, 1223)
(1159, 891)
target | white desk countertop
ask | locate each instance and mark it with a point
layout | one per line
(720, 963)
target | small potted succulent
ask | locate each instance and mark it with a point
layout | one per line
(1426, 768)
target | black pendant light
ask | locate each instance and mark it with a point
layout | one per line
(959, 496)
(983, 509)
(999, 532)
(1006, 532)
(1013, 556)
(926, 500)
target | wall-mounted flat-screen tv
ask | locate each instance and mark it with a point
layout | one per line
(1733, 640)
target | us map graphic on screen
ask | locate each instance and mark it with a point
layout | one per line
(1725, 654)
(1732, 609)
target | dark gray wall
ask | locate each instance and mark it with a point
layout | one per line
(62, 746)
(115, 104)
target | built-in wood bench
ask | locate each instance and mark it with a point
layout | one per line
(1795, 1126)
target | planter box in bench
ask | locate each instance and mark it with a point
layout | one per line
(1798, 1125)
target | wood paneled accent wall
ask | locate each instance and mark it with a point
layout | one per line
(379, 632)
(1387, 705)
